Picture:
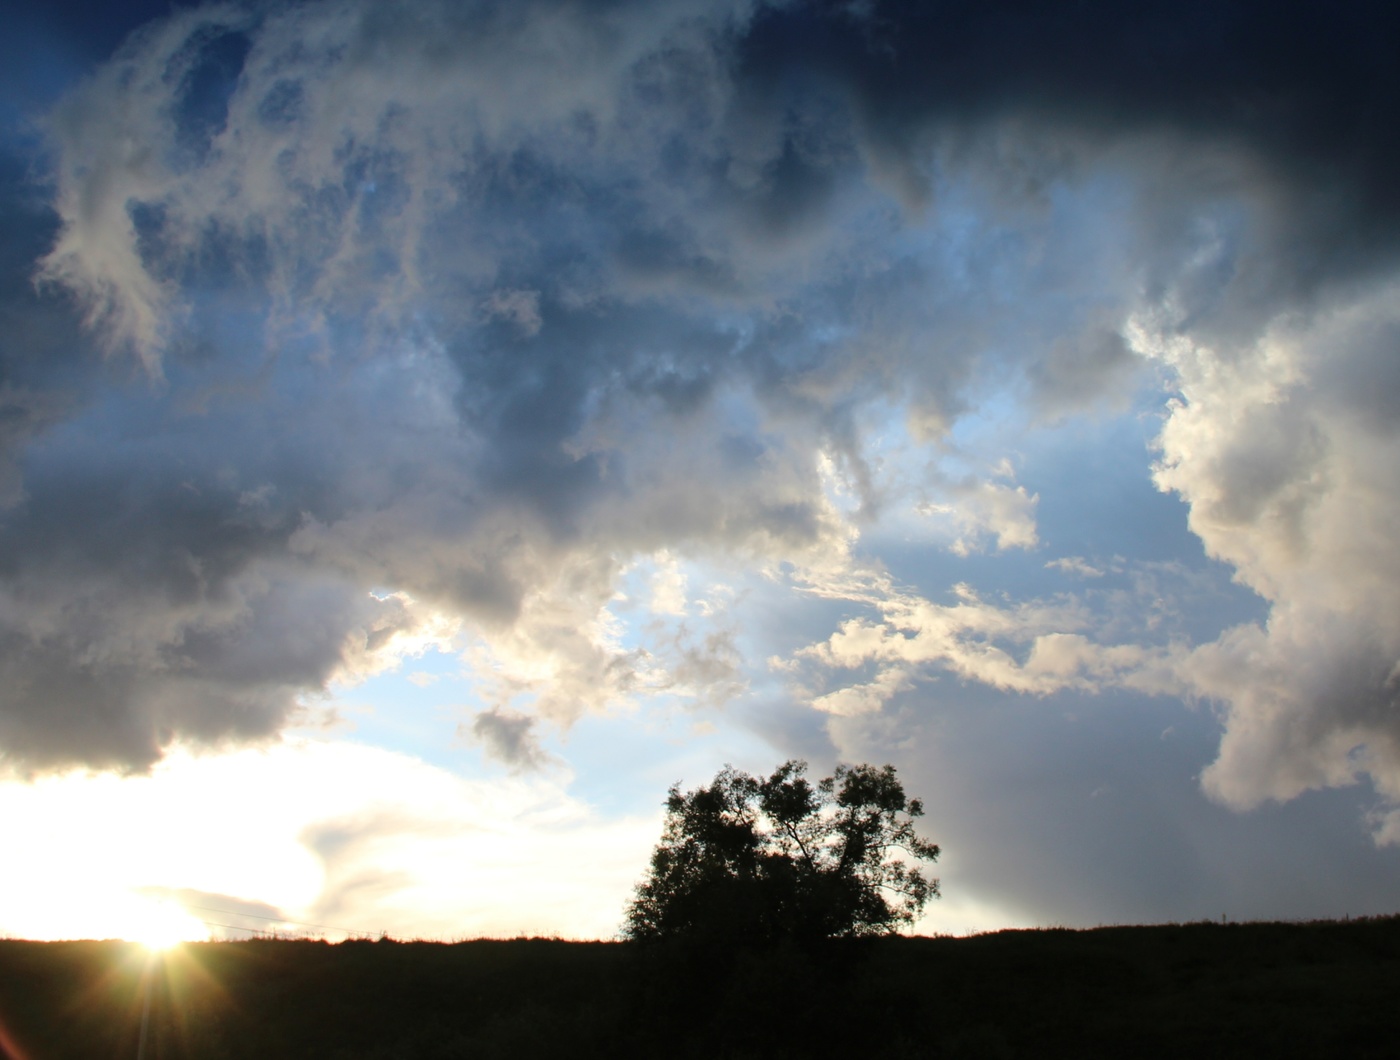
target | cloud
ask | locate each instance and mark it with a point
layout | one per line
(522, 308)
(668, 587)
(510, 737)
(985, 508)
(1009, 784)
(1290, 472)
(411, 317)
(1035, 647)
(1076, 565)
(1082, 370)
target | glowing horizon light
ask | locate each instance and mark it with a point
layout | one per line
(163, 925)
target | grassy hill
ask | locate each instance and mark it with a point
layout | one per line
(1204, 990)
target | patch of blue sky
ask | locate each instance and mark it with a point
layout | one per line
(414, 709)
(1097, 500)
(993, 428)
(623, 761)
(1097, 497)
(1102, 525)
(787, 616)
(1104, 531)
(208, 87)
(37, 65)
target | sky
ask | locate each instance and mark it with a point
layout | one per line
(429, 430)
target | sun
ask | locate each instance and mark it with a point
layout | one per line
(160, 925)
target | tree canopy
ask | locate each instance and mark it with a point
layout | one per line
(781, 857)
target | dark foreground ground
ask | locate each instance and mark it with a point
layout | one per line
(1195, 990)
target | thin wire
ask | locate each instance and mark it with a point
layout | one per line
(269, 919)
(231, 927)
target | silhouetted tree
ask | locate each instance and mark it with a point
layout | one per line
(766, 859)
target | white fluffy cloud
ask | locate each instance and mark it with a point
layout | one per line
(1288, 451)
(1035, 647)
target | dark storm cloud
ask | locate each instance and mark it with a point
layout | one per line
(478, 302)
(1089, 813)
(510, 737)
(1308, 85)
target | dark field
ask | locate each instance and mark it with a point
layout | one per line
(1198, 990)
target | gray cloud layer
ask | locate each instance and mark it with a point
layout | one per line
(472, 304)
